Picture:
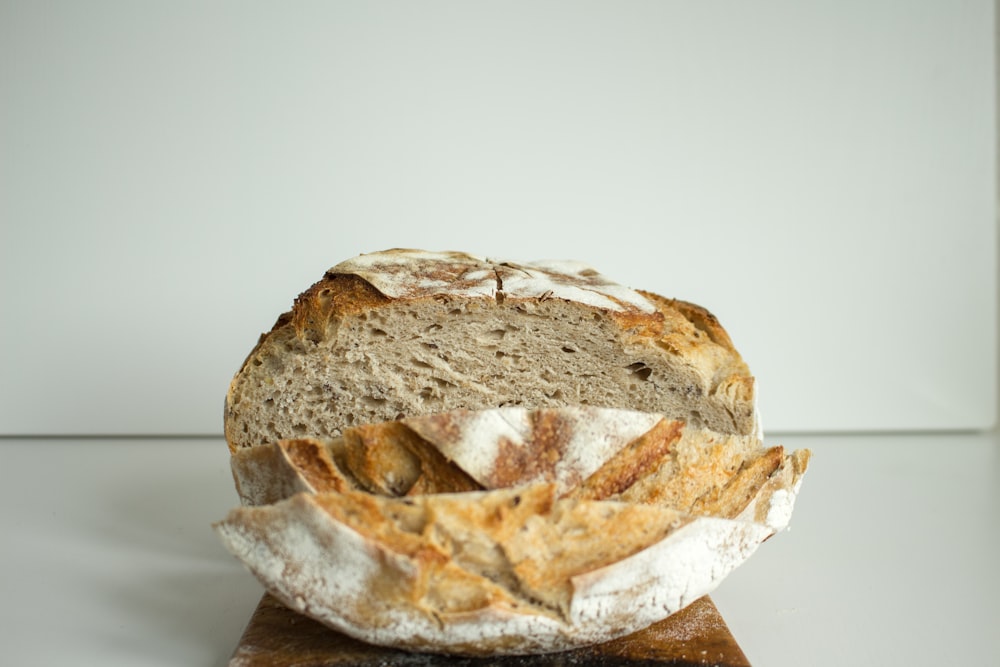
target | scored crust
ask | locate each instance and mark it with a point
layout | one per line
(401, 333)
(360, 580)
(585, 452)
(416, 534)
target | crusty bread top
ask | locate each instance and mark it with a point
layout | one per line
(416, 274)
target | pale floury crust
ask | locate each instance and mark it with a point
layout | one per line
(383, 569)
(321, 568)
(415, 274)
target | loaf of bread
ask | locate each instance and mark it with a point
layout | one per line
(444, 453)
(505, 531)
(404, 332)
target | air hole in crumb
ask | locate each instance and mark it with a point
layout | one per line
(640, 370)
(420, 364)
(379, 333)
(568, 349)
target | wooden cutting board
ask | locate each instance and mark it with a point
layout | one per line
(279, 637)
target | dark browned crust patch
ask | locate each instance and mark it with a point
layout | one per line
(391, 459)
(313, 462)
(538, 457)
(632, 462)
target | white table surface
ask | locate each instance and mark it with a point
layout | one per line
(892, 559)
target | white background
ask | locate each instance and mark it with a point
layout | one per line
(820, 175)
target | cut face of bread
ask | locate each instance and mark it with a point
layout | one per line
(419, 534)
(404, 333)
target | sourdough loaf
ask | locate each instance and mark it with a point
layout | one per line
(431, 450)
(486, 532)
(406, 332)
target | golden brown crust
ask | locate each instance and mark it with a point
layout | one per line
(700, 317)
(265, 475)
(641, 458)
(379, 457)
(336, 295)
(390, 459)
(692, 331)
(311, 458)
(437, 473)
(636, 460)
(736, 495)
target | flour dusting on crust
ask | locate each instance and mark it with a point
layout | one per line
(578, 441)
(413, 274)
